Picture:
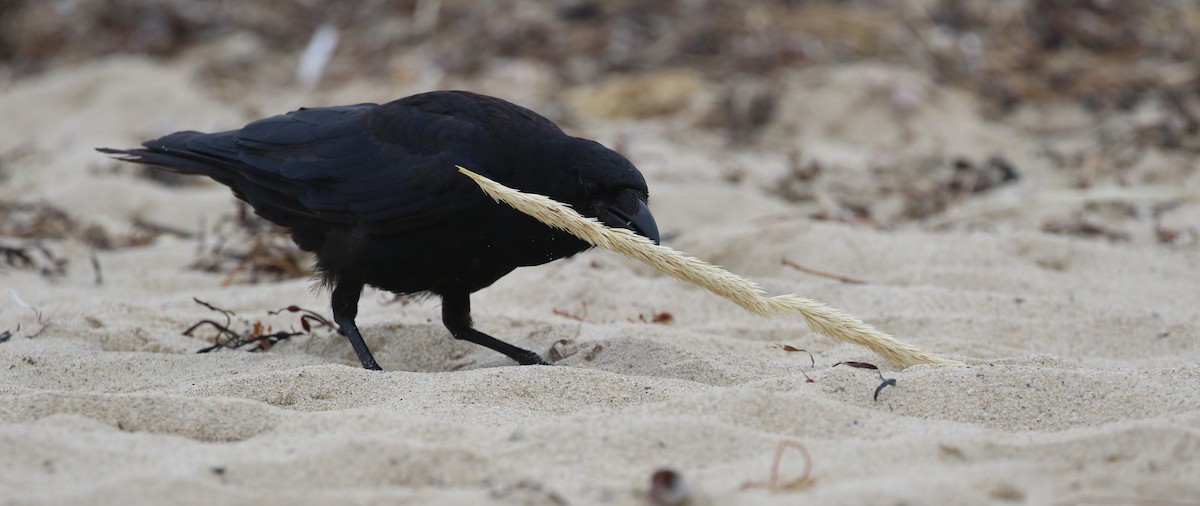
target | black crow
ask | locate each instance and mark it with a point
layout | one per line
(373, 192)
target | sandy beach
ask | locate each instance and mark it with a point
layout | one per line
(1074, 308)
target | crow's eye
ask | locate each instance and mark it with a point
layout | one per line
(591, 188)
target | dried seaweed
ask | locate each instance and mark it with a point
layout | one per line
(35, 220)
(44, 222)
(248, 249)
(33, 256)
(932, 188)
(255, 336)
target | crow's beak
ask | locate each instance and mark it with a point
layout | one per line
(640, 221)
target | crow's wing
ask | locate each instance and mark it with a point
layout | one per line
(387, 167)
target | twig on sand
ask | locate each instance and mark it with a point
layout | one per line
(747, 294)
(823, 274)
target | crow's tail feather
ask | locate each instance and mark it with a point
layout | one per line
(189, 152)
(216, 156)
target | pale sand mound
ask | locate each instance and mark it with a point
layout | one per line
(1082, 354)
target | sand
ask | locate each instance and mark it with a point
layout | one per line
(1081, 352)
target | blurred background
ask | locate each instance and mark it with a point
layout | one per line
(1103, 54)
(1075, 117)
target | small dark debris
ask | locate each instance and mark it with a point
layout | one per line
(851, 214)
(667, 488)
(581, 315)
(858, 365)
(944, 183)
(797, 184)
(661, 318)
(889, 381)
(1082, 227)
(96, 268)
(593, 353)
(811, 360)
(864, 365)
(528, 492)
(580, 11)
(561, 349)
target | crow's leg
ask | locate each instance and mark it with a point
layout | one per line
(345, 308)
(456, 315)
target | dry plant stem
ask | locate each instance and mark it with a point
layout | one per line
(821, 318)
(823, 274)
(772, 482)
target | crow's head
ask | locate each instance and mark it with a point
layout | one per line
(610, 189)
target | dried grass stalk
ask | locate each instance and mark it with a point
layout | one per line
(821, 318)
